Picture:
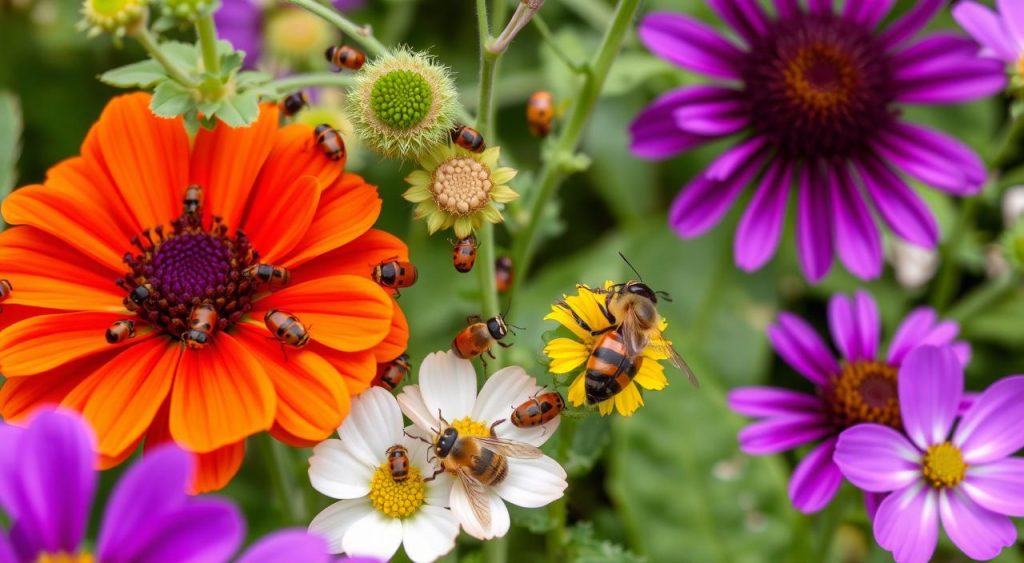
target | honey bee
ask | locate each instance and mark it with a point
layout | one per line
(202, 322)
(269, 274)
(478, 463)
(330, 141)
(391, 374)
(479, 336)
(137, 297)
(503, 273)
(193, 200)
(468, 138)
(540, 112)
(464, 253)
(610, 368)
(394, 274)
(343, 56)
(398, 460)
(5, 291)
(119, 331)
(294, 103)
(286, 328)
(537, 410)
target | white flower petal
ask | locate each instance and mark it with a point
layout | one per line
(429, 534)
(448, 385)
(411, 401)
(532, 482)
(535, 436)
(439, 491)
(373, 426)
(502, 393)
(335, 472)
(334, 521)
(463, 511)
(376, 536)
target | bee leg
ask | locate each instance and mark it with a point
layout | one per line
(503, 345)
(284, 352)
(483, 360)
(608, 328)
(441, 417)
(491, 354)
(397, 293)
(420, 438)
(496, 423)
(434, 476)
(575, 317)
(604, 309)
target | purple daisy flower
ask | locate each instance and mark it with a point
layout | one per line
(812, 96)
(860, 387)
(47, 483)
(1001, 35)
(963, 477)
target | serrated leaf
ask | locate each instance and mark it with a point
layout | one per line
(586, 547)
(10, 142)
(230, 63)
(142, 74)
(239, 110)
(170, 99)
(184, 54)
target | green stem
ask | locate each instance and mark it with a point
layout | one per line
(496, 550)
(949, 276)
(1009, 147)
(549, 39)
(982, 298)
(207, 32)
(148, 42)
(276, 461)
(310, 80)
(358, 33)
(553, 172)
(489, 303)
(559, 510)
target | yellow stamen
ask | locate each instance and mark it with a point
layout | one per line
(472, 428)
(944, 466)
(820, 77)
(397, 499)
(864, 392)
(461, 185)
(64, 558)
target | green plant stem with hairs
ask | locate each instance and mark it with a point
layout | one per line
(148, 42)
(359, 34)
(295, 82)
(207, 32)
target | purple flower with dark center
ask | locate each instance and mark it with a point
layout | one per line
(812, 96)
(47, 483)
(1001, 35)
(860, 387)
(963, 477)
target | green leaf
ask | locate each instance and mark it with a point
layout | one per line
(230, 63)
(631, 70)
(184, 54)
(249, 78)
(10, 142)
(142, 74)
(170, 99)
(536, 520)
(586, 547)
(593, 434)
(239, 110)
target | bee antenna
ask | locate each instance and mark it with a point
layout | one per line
(664, 295)
(514, 326)
(626, 260)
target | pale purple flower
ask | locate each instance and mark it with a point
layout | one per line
(48, 480)
(959, 473)
(861, 386)
(811, 97)
(1001, 34)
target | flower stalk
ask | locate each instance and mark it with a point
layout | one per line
(207, 32)
(525, 11)
(311, 80)
(148, 42)
(359, 33)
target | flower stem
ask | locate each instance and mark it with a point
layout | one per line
(559, 510)
(310, 80)
(982, 298)
(948, 279)
(358, 33)
(276, 461)
(207, 32)
(553, 172)
(148, 42)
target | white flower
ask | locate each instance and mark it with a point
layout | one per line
(377, 514)
(447, 386)
(913, 265)
(1013, 205)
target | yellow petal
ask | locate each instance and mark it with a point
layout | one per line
(577, 391)
(417, 194)
(503, 194)
(435, 157)
(491, 214)
(419, 178)
(587, 305)
(503, 175)
(436, 221)
(463, 227)
(565, 319)
(628, 400)
(565, 355)
(490, 157)
(651, 376)
(606, 407)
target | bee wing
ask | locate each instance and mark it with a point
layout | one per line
(665, 347)
(479, 500)
(511, 448)
(634, 338)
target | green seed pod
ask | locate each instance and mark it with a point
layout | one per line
(116, 17)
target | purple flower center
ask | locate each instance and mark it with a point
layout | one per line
(864, 392)
(188, 267)
(818, 86)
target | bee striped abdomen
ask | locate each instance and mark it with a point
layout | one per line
(489, 467)
(609, 368)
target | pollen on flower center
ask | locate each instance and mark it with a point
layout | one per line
(110, 15)
(944, 465)
(461, 185)
(472, 428)
(64, 558)
(864, 392)
(397, 499)
(401, 98)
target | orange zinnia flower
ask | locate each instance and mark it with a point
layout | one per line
(112, 219)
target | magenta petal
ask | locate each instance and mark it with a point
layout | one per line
(963, 78)
(7, 554)
(903, 210)
(761, 226)
(993, 428)
(654, 133)
(287, 545)
(997, 486)
(702, 203)
(745, 16)
(933, 158)
(913, 21)
(907, 523)
(727, 164)
(986, 28)
(813, 228)
(816, 479)
(979, 533)
(202, 530)
(787, 8)
(877, 458)
(931, 383)
(783, 433)
(1013, 16)
(911, 332)
(153, 487)
(819, 7)
(871, 503)
(802, 348)
(713, 118)
(867, 14)
(855, 325)
(857, 238)
(690, 44)
(772, 401)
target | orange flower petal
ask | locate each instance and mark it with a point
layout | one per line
(215, 469)
(106, 462)
(312, 398)
(397, 341)
(282, 435)
(347, 313)
(21, 396)
(295, 154)
(357, 368)
(275, 226)
(121, 398)
(347, 209)
(16, 313)
(45, 272)
(221, 395)
(42, 343)
(226, 161)
(146, 156)
(79, 206)
(356, 258)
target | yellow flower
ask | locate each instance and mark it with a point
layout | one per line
(567, 354)
(460, 189)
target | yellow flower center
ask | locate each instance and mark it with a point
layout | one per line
(944, 466)
(1020, 67)
(110, 15)
(397, 499)
(472, 428)
(864, 392)
(461, 185)
(820, 77)
(297, 34)
(64, 558)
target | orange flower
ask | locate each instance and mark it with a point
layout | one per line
(113, 218)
